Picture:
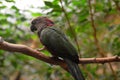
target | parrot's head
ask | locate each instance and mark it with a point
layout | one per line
(40, 22)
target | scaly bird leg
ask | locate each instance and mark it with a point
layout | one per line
(41, 49)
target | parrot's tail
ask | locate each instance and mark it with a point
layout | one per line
(74, 70)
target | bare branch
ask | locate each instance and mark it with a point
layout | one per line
(99, 60)
(30, 52)
(38, 55)
(94, 29)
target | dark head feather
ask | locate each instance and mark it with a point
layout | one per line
(40, 23)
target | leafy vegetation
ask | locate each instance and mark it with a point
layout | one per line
(96, 38)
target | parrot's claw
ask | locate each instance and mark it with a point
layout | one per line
(41, 49)
(54, 58)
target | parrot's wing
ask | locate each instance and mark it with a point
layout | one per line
(57, 43)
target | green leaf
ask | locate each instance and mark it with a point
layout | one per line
(15, 8)
(47, 3)
(2, 7)
(36, 14)
(10, 0)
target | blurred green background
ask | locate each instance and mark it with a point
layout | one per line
(15, 18)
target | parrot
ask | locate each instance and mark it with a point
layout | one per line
(57, 43)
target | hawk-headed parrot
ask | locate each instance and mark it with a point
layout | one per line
(57, 44)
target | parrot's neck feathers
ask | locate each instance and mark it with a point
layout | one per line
(42, 27)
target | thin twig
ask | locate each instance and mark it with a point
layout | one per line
(72, 31)
(94, 30)
(114, 73)
(117, 5)
(100, 50)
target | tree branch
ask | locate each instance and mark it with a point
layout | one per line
(71, 29)
(96, 41)
(38, 55)
(100, 50)
(30, 52)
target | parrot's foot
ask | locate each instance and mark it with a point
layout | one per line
(41, 49)
(54, 58)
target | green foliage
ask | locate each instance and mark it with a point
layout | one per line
(14, 28)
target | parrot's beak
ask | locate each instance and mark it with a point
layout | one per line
(33, 28)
